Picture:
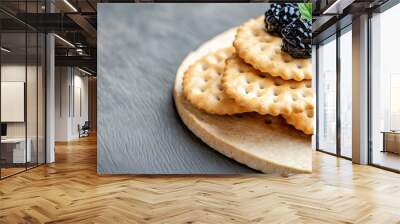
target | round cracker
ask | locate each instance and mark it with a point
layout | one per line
(202, 84)
(263, 93)
(263, 51)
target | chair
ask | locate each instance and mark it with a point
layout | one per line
(84, 130)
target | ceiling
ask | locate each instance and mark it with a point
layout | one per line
(76, 22)
(329, 16)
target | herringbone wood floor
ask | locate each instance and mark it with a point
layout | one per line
(70, 191)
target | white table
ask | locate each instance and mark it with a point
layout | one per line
(19, 155)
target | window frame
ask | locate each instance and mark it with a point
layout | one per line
(334, 37)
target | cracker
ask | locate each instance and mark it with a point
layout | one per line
(202, 85)
(263, 93)
(268, 145)
(303, 121)
(263, 51)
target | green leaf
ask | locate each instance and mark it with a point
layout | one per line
(305, 10)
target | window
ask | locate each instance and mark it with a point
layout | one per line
(335, 137)
(346, 92)
(385, 89)
(327, 95)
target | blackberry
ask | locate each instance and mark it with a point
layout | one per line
(279, 15)
(297, 38)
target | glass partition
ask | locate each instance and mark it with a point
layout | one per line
(41, 97)
(32, 95)
(13, 109)
(22, 101)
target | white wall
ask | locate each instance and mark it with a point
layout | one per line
(15, 72)
(62, 82)
(70, 83)
(80, 109)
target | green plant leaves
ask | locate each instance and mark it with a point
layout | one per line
(305, 10)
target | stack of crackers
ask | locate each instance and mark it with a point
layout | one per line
(254, 75)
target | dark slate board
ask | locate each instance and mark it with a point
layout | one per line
(140, 47)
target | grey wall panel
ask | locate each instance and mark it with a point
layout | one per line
(140, 47)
